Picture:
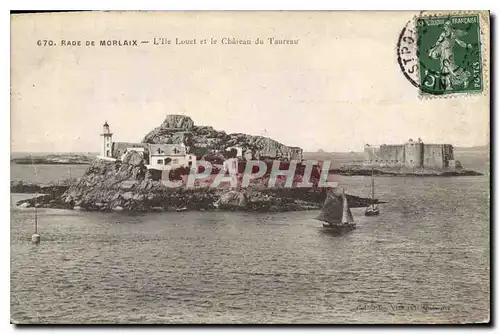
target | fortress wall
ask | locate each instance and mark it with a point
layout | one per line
(414, 154)
(392, 155)
(433, 156)
(448, 152)
(372, 155)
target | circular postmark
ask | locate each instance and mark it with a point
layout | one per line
(407, 50)
(441, 54)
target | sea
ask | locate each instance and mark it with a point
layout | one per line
(424, 259)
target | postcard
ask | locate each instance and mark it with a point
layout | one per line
(264, 167)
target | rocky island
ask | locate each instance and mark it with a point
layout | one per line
(129, 183)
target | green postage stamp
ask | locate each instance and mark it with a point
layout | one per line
(449, 53)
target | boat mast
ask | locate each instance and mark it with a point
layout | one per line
(36, 217)
(373, 188)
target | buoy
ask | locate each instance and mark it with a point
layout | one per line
(35, 238)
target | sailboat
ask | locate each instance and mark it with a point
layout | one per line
(373, 209)
(336, 213)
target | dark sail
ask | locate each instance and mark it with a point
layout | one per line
(332, 210)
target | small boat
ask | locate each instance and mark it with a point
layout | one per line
(336, 214)
(373, 209)
(181, 209)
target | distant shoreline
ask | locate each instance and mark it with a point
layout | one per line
(49, 163)
(53, 159)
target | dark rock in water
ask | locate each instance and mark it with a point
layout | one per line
(44, 201)
(53, 188)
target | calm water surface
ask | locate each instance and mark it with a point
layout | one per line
(424, 259)
(45, 173)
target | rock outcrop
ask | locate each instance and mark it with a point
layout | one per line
(178, 129)
(129, 186)
(178, 122)
(133, 158)
(53, 188)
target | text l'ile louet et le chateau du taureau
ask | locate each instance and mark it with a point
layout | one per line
(165, 41)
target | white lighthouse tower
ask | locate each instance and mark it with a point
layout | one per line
(106, 141)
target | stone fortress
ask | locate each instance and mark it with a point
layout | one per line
(412, 154)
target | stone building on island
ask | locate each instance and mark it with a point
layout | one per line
(412, 154)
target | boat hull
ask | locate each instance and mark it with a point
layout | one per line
(371, 213)
(339, 227)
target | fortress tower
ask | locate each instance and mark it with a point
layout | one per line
(414, 153)
(106, 141)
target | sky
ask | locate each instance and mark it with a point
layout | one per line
(339, 88)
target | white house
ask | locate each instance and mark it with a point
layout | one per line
(172, 155)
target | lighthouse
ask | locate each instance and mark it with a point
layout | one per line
(106, 141)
